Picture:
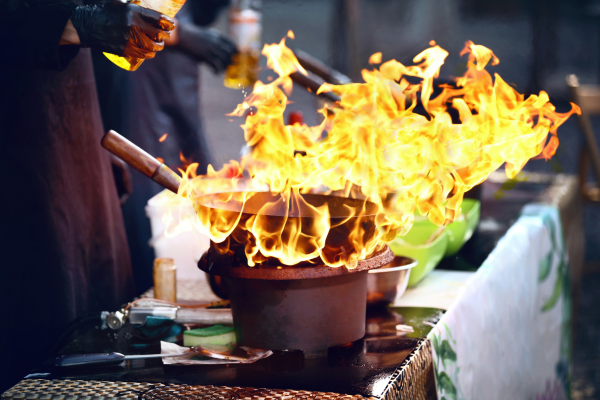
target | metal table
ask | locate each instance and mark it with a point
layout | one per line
(383, 367)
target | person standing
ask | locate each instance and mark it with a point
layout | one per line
(63, 245)
(162, 97)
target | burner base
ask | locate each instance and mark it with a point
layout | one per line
(302, 314)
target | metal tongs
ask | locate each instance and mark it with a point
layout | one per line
(318, 73)
(117, 358)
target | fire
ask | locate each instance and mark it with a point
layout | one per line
(375, 158)
(375, 58)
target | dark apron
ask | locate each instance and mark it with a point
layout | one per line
(63, 248)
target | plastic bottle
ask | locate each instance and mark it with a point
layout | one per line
(166, 7)
(245, 29)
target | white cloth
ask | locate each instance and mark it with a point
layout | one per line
(507, 335)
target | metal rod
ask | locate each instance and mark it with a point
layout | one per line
(321, 69)
(145, 356)
(311, 83)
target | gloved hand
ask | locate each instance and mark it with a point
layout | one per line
(122, 29)
(206, 45)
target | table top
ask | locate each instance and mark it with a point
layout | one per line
(363, 368)
(377, 365)
(439, 289)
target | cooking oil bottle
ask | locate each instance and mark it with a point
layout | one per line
(166, 7)
(245, 30)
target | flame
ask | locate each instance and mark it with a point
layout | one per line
(375, 58)
(290, 34)
(163, 137)
(337, 191)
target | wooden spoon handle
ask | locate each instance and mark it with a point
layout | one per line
(141, 161)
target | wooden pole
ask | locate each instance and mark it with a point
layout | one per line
(588, 132)
(141, 161)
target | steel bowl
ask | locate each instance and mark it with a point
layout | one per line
(386, 283)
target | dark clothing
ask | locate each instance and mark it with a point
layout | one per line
(63, 247)
(35, 28)
(162, 96)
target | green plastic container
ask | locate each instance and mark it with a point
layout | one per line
(462, 229)
(472, 209)
(426, 243)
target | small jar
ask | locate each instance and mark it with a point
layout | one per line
(165, 281)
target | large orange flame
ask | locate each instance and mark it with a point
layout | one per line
(371, 149)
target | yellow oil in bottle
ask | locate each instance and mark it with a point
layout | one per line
(243, 71)
(245, 29)
(166, 7)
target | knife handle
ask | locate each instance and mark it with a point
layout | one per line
(95, 358)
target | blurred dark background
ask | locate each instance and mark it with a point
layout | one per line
(538, 43)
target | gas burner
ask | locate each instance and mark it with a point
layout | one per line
(297, 308)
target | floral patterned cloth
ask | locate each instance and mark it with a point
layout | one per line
(507, 336)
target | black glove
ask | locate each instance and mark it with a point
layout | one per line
(206, 45)
(122, 29)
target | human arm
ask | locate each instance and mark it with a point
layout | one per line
(204, 45)
(69, 35)
(198, 41)
(43, 36)
(122, 28)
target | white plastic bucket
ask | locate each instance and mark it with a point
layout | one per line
(185, 248)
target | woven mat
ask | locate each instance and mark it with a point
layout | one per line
(413, 379)
(76, 389)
